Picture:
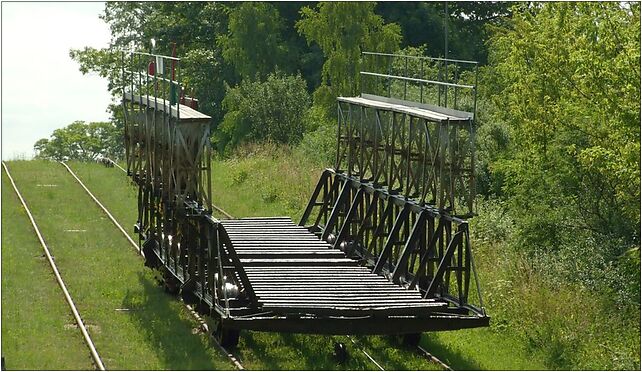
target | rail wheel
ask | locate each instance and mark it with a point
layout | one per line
(189, 297)
(170, 283)
(411, 339)
(203, 308)
(228, 338)
(151, 260)
(340, 352)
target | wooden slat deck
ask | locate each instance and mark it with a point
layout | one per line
(186, 113)
(292, 271)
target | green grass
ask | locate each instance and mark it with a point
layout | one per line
(104, 274)
(38, 329)
(264, 181)
(534, 325)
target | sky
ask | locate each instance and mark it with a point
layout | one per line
(42, 88)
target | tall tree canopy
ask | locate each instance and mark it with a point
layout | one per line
(81, 141)
(253, 55)
(343, 30)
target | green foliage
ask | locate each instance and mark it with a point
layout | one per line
(270, 110)
(81, 141)
(106, 62)
(23, 264)
(320, 140)
(343, 30)
(537, 321)
(203, 72)
(422, 23)
(103, 273)
(566, 82)
(253, 44)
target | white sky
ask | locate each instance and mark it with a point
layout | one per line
(42, 88)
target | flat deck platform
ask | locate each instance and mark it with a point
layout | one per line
(293, 272)
(186, 113)
(421, 110)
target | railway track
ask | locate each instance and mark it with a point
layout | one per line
(81, 325)
(203, 325)
(422, 351)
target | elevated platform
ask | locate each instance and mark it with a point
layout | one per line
(380, 248)
(185, 112)
(421, 110)
(292, 271)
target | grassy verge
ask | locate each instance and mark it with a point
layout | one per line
(133, 324)
(257, 350)
(38, 330)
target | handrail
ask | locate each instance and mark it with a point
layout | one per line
(422, 57)
(417, 80)
(144, 74)
(155, 55)
(448, 83)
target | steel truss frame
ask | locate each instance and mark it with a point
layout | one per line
(366, 205)
(414, 245)
(431, 161)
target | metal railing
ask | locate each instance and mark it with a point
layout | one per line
(448, 83)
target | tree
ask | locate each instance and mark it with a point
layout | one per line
(253, 43)
(270, 110)
(343, 30)
(422, 23)
(565, 79)
(192, 26)
(81, 141)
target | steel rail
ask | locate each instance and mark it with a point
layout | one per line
(417, 80)
(423, 351)
(422, 57)
(156, 55)
(349, 337)
(131, 241)
(365, 353)
(198, 318)
(433, 358)
(116, 164)
(61, 283)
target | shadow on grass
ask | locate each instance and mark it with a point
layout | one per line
(179, 349)
(456, 360)
(291, 351)
(315, 352)
(168, 334)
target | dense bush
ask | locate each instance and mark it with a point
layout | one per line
(561, 140)
(320, 140)
(270, 110)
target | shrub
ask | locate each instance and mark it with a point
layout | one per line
(270, 110)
